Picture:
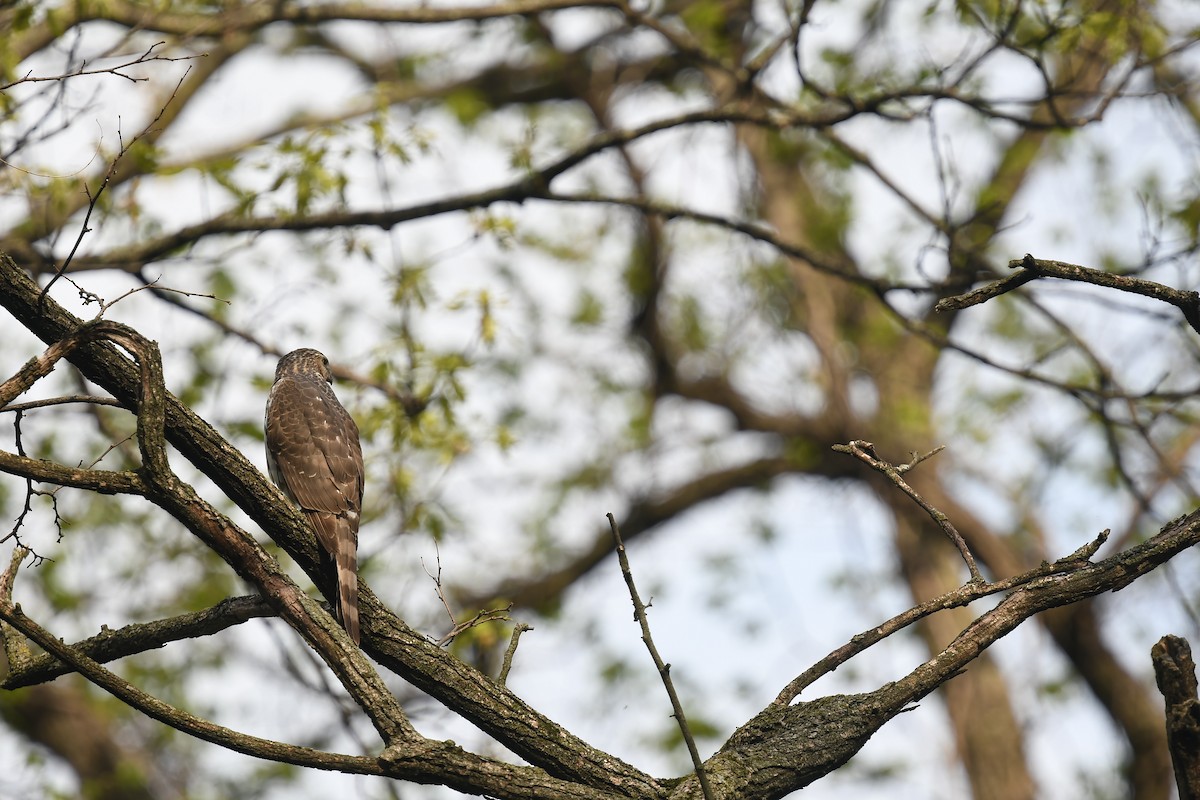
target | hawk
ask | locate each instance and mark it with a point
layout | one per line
(315, 457)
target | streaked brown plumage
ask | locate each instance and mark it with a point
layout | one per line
(315, 457)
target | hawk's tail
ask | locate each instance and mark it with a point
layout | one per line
(338, 535)
(347, 581)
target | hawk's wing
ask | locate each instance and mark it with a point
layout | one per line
(313, 449)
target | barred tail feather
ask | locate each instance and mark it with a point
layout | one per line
(338, 536)
(347, 578)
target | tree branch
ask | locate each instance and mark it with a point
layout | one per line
(1188, 302)
(177, 718)
(109, 645)
(865, 452)
(1175, 673)
(664, 669)
(807, 740)
(962, 596)
(468, 692)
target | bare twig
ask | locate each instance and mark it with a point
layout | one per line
(664, 669)
(917, 458)
(481, 617)
(962, 596)
(61, 401)
(27, 507)
(108, 176)
(436, 577)
(506, 665)
(151, 286)
(145, 58)
(1188, 302)
(985, 293)
(865, 452)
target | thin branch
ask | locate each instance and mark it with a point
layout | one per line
(1188, 302)
(962, 596)
(985, 293)
(109, 644)
(865, 452)
(62, 401)
(145, 58)
(436, 577)
(480, 618)
(664, 669)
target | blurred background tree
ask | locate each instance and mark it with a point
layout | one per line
(653, 258)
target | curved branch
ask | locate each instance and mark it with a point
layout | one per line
(427, 762)
(109, 645)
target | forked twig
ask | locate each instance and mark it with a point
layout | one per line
(481, 617)
(664, 669)
(865, 452)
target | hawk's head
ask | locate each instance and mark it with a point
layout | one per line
(304, 362)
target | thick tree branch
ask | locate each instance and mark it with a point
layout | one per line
(807, 740)
(1175, 672)
(177, 718)
(96, 480)
(466, 691)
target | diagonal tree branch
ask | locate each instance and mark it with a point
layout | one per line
(807, 740)
(466, 691)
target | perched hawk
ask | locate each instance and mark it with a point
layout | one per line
(314, 456)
